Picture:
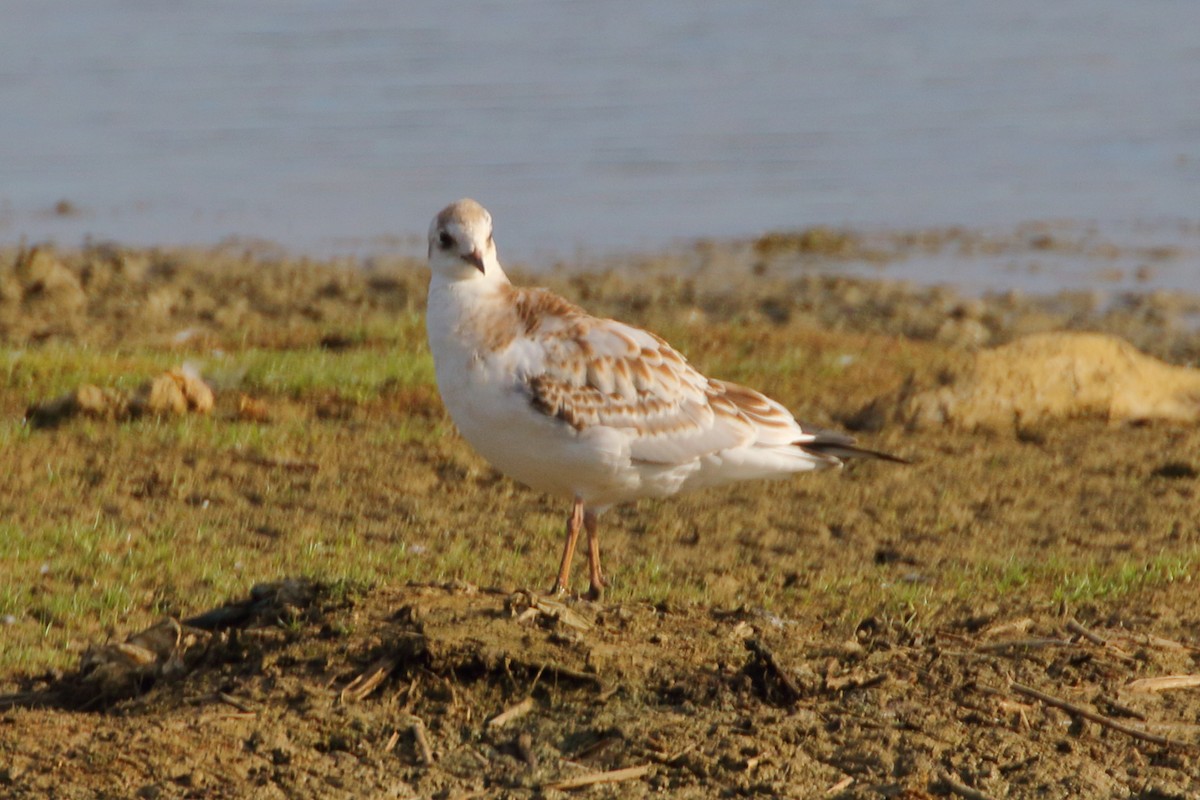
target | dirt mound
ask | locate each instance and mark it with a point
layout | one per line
(1046, 377)
(305, 690)
(175, 392)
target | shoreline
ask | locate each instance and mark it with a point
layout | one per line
(1036, 257)
(805, 279)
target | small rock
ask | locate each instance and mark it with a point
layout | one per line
(174, 393)
(198, 393)
(163, 395)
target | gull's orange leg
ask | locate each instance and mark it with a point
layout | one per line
(574, 523)
(596, 579)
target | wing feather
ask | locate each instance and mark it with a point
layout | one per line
(598, 372)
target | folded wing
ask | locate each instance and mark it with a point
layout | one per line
(596, 372)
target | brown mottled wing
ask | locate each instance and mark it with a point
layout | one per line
(592, 372)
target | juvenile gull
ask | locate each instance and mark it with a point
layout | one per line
(591, 409)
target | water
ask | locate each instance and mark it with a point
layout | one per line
(595, 128)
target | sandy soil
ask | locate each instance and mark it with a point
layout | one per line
(786, 678)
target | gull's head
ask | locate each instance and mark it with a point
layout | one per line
(461, 245)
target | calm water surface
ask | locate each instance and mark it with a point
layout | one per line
(597, 128)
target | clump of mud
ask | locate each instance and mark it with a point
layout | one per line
(1043, 378)
(175, 392)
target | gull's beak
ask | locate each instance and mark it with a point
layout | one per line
(475, 259)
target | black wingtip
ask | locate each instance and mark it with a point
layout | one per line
(843, 450)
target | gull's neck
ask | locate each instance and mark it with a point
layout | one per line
(469, 313)
(468, 281)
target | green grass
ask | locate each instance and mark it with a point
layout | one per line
(80, 554)
(137, 519)
(48, 371)
(1075, 581)
(97, 577)
(397, 359)
(1126, 578)
(354, 375)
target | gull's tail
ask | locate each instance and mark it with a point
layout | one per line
(836, 447)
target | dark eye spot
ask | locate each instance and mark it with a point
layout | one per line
(445, 240)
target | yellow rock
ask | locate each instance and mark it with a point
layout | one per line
(1058, 375)
(162, 395)
(197, 393)
(174, 392)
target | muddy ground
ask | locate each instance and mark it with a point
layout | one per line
(998, 619)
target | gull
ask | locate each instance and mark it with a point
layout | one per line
(591, 409)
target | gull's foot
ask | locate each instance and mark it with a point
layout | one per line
(597, 585)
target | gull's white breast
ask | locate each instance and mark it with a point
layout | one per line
(483, 390)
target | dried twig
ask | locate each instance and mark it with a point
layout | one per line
(558, 671)
(838, 683)
(596, 746)
(1006, 628)
(390, 745)
(593, 778)
(1079, 630)
(367, 682)
(675, 757)
(509, 714)
(842, 784)
(1150, 640)
(961, 789)
(1163, 683)
(1099, 719)
(230, 700)
(1074, 627)
(424, 752)
(1024, 644)
(768, 660)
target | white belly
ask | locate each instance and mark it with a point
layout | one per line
(495, 415)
